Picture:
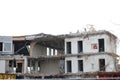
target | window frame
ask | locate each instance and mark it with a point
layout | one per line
(4, 47)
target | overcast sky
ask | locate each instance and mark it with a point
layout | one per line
(24, 17)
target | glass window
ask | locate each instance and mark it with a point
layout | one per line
(1, 46)
(7, 46)
(80, 46)
(68, 47)
(69, 66)
(101, 45)
(80, 65)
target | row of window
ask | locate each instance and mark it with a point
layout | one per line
(80, 65)
(80, 46)
(51, 52)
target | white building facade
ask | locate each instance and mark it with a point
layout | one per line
(49, 56)
(90, 52)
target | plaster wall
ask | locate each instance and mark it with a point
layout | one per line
(25, 65)
(91, 63)
(2, 66)
(109, 44)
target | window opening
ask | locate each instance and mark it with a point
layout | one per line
(19, 68)
(102, 64)
(7, 46)
(69, 66)
(80, 65)
(101, 45)
(69, 47)
(80, 46)
(1, 46)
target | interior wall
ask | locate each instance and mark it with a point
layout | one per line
(38, 50)
(60, 52)
(49, 67)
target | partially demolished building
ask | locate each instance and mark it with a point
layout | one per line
(72, 55)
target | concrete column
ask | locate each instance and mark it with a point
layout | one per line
(7, 65)
(53, 51)
(13, 66)
(30, 65)
(49, 51)
(25, 65)
(36, 66)
(39, 66)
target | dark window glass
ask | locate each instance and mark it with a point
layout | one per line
(101, 45)
(80, 46)
(1, 46)
(80, 65)
(68, 47)
(69, 66)
(102, 64)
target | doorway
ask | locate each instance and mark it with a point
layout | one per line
(19, 68)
